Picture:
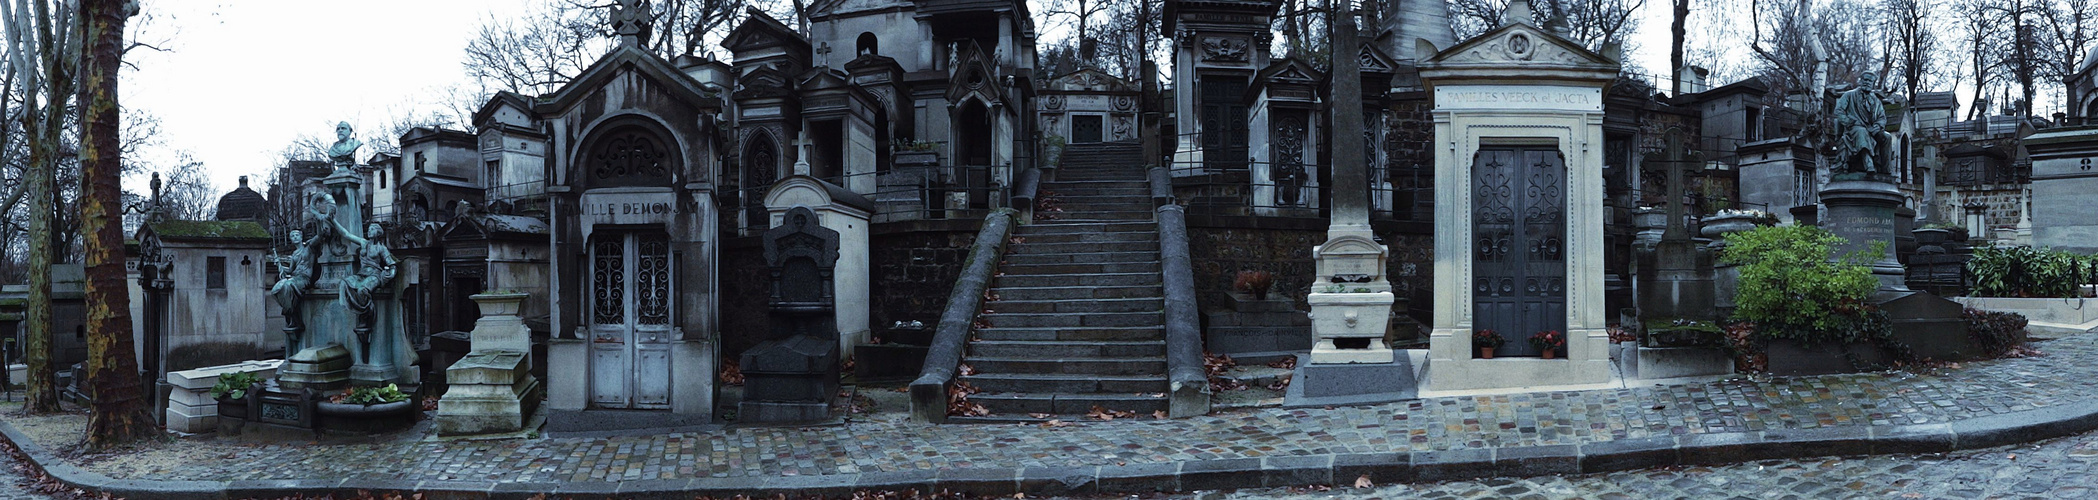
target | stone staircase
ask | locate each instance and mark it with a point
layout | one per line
(1078, 322)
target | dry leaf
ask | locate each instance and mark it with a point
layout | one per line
(967, 370)
(1038, 415)
(1160, 414)
(1364, 482)
(1054, 423)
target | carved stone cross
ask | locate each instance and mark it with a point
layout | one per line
(1676, 158)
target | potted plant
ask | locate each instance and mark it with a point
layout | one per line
(1256, 283)
(231, 392)
(1549, 342)
(1486, 341)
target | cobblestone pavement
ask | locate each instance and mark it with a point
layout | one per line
(2059, 468)
(889, 443)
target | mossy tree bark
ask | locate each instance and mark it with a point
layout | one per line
(120, 414)
(43, 49)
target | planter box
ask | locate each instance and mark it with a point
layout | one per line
(376, 418)
(1789, 358)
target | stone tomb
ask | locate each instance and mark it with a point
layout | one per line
(2064, 187)
(793, 375)
(492, 389)
(1519, 209)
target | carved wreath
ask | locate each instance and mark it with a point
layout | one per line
(1223, 49)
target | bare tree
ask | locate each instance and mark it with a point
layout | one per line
(2069, 30)
(534, 54)
(1982, 43)
(1592, 23)
(1081, 15)
(44, 45)
(1912, 54)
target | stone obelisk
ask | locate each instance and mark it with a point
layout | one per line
(1350, 298)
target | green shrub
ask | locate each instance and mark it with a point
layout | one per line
(234, 385)
(2019, 271)
(370, 395)
(1793, 286)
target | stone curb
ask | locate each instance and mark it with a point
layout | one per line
(1275, 471)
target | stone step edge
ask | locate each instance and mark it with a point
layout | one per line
(1277, 471)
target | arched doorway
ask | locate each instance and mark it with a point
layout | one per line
(972, 137)
(760, 170)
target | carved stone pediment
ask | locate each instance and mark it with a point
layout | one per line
(1225, 49)
(1519, 43)
(1373, 60)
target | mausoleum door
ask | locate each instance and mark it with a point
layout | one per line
(1223, 123)
(1519, 243)
(630, 320)
(1085, 129)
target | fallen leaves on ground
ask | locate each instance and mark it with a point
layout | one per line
(1054, 423)
(731, 373)
(1038, 415)
(1103, 414)
(1285, 363)
(1160, 414)
(958, 403)
(966, 370)
(1280, 384)
(1363, 481)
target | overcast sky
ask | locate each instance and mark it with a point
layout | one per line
(243, 78)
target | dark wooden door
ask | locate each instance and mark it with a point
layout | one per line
(1223, 122)
(1519, 244)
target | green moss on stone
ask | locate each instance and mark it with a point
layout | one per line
(210, 229)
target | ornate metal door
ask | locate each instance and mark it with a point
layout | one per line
(630, 320)
(1518, 247)
(1085, 129)
(1223, 122)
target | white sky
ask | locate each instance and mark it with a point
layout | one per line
(244, 78)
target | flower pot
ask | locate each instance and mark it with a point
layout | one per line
(1485, 353)
(1718, 226)
(1548, 354)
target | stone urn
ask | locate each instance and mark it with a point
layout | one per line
(500, 304)
(1718, 226)
(1932, 237)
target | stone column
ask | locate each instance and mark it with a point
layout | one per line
(1351, 297)
(1862, 212)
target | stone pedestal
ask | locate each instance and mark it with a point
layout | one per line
(190, 407)
(492, 389)
(2064, 188)
(322, 368)
(1862, 212)
(790, 380)
(1350, 300)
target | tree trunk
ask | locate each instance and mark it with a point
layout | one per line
(1675, 48)
(120, 414)
(42, 396)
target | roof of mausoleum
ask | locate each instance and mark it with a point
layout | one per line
(601, 73)
(242, 203)
(201, 230)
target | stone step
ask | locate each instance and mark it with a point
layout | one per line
(1069, 227)
(1023, 403)
(1075, 366)
(1004, 319)
(1109, 198)
(1043, 270)
(1077, 292)
(1087, 306)
(1130, 206)
(1089, 237)
(1065, 383)
(1034, 248)
(1074, 334)
(1066, 349)
(1082, 258)
(1151, 278)
(1104, 216)
(1128, 191)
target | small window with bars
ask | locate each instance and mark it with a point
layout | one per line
(215, 273)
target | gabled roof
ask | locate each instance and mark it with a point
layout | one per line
(1290, 69)
(1519, 50)
(1090, 77)
(761, 31)
(496, 102)
(1752, 86)
(641, 61)
(1374, 60)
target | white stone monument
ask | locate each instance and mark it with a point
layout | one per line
(2064, 187)
(1518, 208)
(1351, 296)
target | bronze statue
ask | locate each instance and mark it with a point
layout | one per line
(344, 153)
(374, 270)
(297, 270)
(1861, 119)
